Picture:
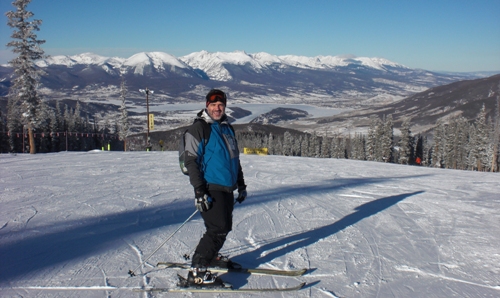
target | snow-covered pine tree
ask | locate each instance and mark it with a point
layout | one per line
(53, 129)
(3, 134)
(379, 135)
(27, 75)
(13, 121)
(438, 150)
(278, 145)
(483, 141)
(314, 145)
(426, 151)
(421, 150)
(406, 146)
(461, 142)
(451, 148)
(473, 152)
(358, 147)
(296, 147)
(371, 141)
(384, 140)
(43, 131)
(334, 147)
(495, 159)
(325, 146)
(304, 146)
(344, 148)
(270, 144)
(77, 127)
(287, 143)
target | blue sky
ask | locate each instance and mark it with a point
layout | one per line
(446, 35)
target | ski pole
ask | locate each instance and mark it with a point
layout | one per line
(132, 272)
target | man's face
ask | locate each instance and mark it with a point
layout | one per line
(216, 110)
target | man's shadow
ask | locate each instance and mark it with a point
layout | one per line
(288, 244)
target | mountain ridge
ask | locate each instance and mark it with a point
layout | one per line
(339, 82)
(246, 76)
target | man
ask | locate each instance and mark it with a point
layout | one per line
(215, 172)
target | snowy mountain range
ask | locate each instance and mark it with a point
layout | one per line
(213, 63)
(297, 78)
(338, 82)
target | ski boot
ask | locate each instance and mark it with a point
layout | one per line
(221, 261)
(203, 278)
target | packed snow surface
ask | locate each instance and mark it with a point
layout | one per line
(73, 225)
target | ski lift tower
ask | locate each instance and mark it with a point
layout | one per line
(147, 92)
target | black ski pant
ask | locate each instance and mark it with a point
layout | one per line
(218, 223)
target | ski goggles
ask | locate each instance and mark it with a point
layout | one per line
(216, 96)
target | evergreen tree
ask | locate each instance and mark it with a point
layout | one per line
(451, 149)
(287, 143)
(297, 143)
(27, 75)
(406, 144)
(43, 131)
(3, 134)
(438, 150)
(77, 127)
(270, 144)
(379, 135)
(358, 147)
(461, 143)
(421, 154)
(315, 145)
(473, 151)
(385, 138)
(482, 139)
(338, 150)
(371, 142)
(54, 129)
(426, 151)
(495, 159)
(343, 148)
(305, 146)
(13, 122)
(333, 144)
(325, 146)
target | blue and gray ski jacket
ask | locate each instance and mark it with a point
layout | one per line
(212, 157)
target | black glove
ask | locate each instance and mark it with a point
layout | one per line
(242, 194)
(202, 201)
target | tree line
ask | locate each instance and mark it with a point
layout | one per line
(63, 128)
(58, 129)
(457, 144)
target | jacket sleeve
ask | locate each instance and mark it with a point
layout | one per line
(194, 146)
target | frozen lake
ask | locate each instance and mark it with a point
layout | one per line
(255, 108)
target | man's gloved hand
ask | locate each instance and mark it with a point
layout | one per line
(242, 194)
(202, 201)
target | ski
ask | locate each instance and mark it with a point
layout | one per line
(261, 271)
(222, 289)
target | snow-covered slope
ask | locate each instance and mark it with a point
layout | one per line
(73, 224)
